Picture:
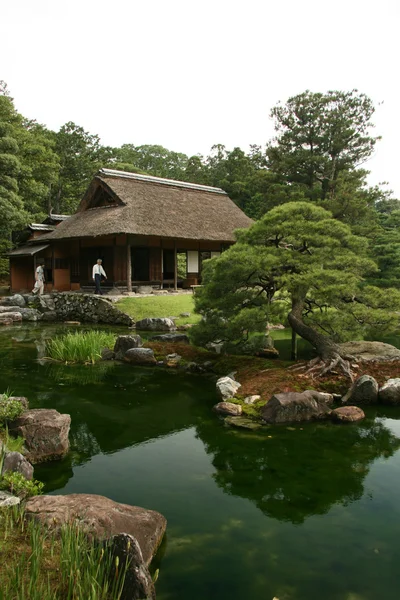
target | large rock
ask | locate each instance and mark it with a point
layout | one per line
(364, 390)
(371, 351)
(227, 387)
(7, 499)
(138, 583)
(126, 342)
(16, 463)
(140, 356)
(11, 317)
(347, 414)
(296, 406)
(101, 518)
(45, 432)
(15, 300)
(156, 324)
(389, 393)
(228, 408)
(170, 337)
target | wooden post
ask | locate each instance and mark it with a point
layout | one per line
(128, 266)
(294, 345)
(175, 268)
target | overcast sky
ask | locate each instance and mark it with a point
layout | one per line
(188, 74)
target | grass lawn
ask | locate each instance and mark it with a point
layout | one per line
(160, 306)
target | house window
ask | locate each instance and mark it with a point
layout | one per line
(61, 263)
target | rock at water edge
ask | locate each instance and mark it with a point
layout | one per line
(363, 391)
(173, 338)
(14, 462)
(228, 408)
(295, 406)
(242, 423)
(227, 387)
(101, 518)
(347, 414)
(138, 583)
(45, 432)
(125, 343)
(156, 324)
(389, 393)
(140, 356)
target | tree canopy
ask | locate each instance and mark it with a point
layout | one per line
(300, 263)
(322, 142)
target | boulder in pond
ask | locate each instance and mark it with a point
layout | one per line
(242, 423)
(365, 351)
(228, 408)
(14, 462)
(140, 356)
(172, 338)
(125, 343)
(15, 300)
(156, 324)
(138, 583)
(347, 414)
(227, 387)
(101, 518)
(389, 393)
(297, 406)
(364, 390)
(45, 432)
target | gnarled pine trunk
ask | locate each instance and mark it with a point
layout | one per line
(330, 355)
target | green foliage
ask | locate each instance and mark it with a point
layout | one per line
(40, 564)
(80, 347)
(296, 253)
(9, 409)
(16, 483)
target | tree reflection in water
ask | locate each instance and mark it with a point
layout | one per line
(291, 473)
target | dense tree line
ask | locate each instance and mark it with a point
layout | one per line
(321, 143)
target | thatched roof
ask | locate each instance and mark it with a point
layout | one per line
(119, 202)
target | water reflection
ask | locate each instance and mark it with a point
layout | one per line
(295, 472)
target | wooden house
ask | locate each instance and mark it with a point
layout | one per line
(137, 225)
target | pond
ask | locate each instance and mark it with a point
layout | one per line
(297, 513)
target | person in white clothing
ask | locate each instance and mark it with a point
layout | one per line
(97, 273)
(39, 280)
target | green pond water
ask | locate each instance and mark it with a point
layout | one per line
(297, 513)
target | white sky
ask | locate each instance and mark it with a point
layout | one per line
(188, 74)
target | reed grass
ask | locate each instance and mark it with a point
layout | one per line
(80, 347)
(38, 564)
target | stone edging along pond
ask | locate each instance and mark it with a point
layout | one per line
(133, 534)
(252, 412)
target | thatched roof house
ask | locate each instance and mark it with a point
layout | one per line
(137, 224)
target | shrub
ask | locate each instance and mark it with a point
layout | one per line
(80, 347)
(9, 409)
(19, 486)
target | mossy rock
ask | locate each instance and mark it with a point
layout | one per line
(242, 423)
